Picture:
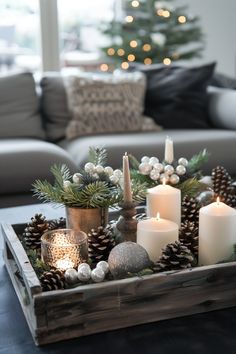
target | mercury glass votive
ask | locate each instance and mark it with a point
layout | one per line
(64, 248)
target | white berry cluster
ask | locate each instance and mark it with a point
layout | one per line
(157, 171)
(84, 273)
(115, 176)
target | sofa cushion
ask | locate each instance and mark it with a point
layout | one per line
(222, 107)
(19, 107)
(105, 103)
(219, 143)
(24, 160)
(54, 106)
(176, 96)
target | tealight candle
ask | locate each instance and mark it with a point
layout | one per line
(217, 232)
(154, 234)
(64, 248)
(166, 200)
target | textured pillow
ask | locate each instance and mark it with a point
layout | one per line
(106, 104)
(54, 106)
(224, 81)
(19, 107)
(176, 96)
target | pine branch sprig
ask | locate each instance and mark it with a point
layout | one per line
(97, 155)
(196, 162)
(191, 187)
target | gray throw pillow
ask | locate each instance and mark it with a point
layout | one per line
(19, 107)
(111, 103)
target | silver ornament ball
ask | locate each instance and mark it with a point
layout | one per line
(154, 175)
(183, 161)
(108, 170)
(66, 185)
(118, 173)
(71, 276)
(180, 170)
(145, 168)
(153, 160)
(127, 257)
(103, 265)
(159, 167)
(114, 179)
(84, 273)
(77, 178)
(174, 179)
(99, 169)
(83, 265)
(89, 167)
(165, 177)
(145, 159)
(97, 275)
(169, 170)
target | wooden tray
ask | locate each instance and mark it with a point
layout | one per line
(64, 314)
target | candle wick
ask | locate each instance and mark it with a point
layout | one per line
(218, 201)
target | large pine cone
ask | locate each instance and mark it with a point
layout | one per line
(34, 230)
(222, 186)
(188, 236)
(190, 210)
(174, 256)
(52, 280)
(100, 243)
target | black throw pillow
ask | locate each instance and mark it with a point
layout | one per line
(223, 81)
(176, 97)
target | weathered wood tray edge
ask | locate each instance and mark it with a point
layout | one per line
(87, 309)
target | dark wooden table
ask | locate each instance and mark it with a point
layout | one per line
(209, 333)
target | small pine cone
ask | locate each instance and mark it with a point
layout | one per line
(100, 243)
(52, 280)
(221, 181)
(57, 224)
(188, 236)
(190, 210)
(174, 256)
(34, 230)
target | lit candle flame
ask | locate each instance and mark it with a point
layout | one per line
(218, 200)
(164, 181)
(158, 216)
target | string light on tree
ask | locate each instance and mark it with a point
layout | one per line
(160, 12)
(129, 19)
(182, 19)
(120, 52)
(135, 3)
(131, 57)
(125, 65)
(147, 61)
(166, 13)
(147, 47)
(166, 61)
(110, 51)
(104, 67)
(133, 44)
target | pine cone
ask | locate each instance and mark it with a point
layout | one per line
(100, 243)
(222, 186)
(174, 256)
(52, 280)
(57, 224)
(188, 236)
(34, 230)
(190, 210)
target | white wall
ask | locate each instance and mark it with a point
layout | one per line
(219, 25)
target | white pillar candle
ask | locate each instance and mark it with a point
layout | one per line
(217, 232)
(154, 234)
(169, 150)
(166, 200)
(127, 184)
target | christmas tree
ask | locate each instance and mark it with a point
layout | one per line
(149, 31)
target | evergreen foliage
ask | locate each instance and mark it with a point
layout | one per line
(149, 31)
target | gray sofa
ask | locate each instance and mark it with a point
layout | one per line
(32, 135)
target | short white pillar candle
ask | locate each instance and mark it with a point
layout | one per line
(154, 234)
(217, 233)
(166, 200)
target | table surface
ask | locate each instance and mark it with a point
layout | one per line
(208, 333)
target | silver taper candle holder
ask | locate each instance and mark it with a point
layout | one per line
(127, 224)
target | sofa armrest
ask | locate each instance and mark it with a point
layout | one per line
(222, 107)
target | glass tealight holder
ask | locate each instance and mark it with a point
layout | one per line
(64, 248)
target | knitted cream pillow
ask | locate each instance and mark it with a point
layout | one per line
(106, 104)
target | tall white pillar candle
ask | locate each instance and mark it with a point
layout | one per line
(169, 150)
(217, 233)
(154, 234)
(127, 184)
(166, 200)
